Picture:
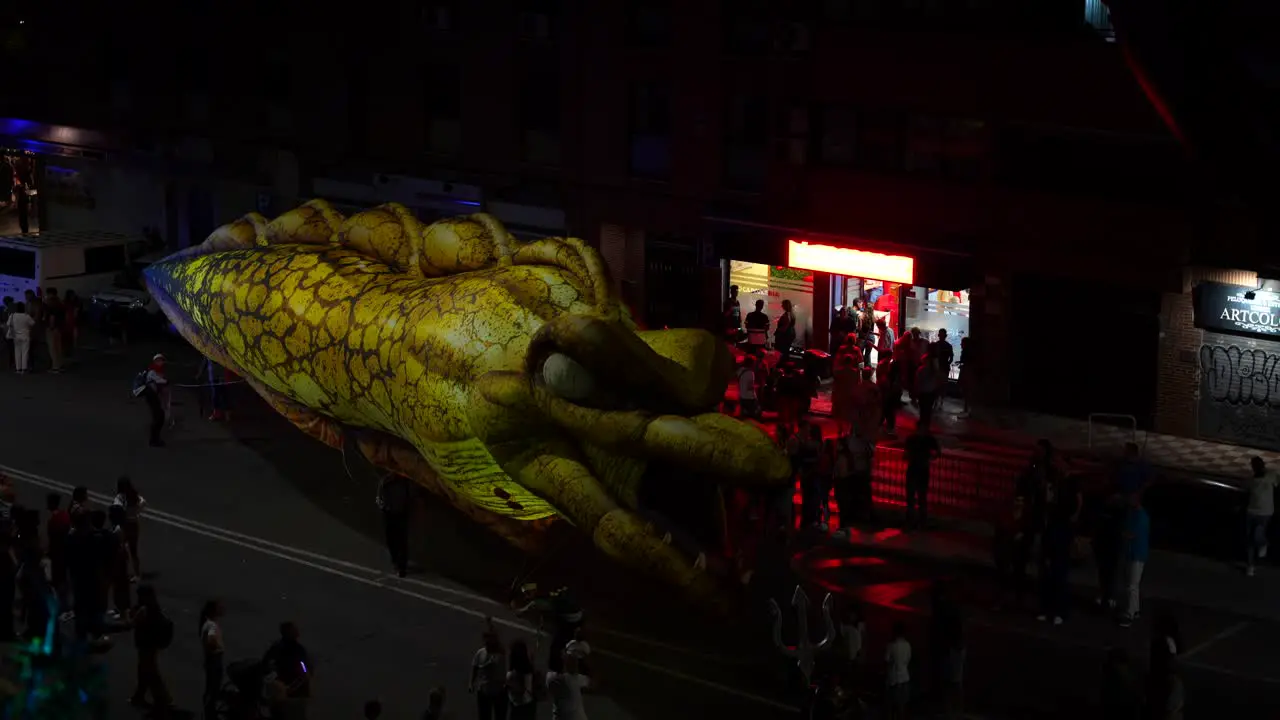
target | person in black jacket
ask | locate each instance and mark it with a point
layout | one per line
(393, 500)
(83, 566)
(8, 586)
(149, 627)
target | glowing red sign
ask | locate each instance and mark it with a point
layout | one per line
(854, 263)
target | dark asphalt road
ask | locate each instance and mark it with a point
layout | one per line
(373, 635)
(283, 528)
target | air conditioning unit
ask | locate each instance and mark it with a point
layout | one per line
(535, 25)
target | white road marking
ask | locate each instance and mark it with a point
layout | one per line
(1233, 630)
(317, 557)
(375, 578)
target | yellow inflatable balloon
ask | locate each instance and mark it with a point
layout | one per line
(502, 375)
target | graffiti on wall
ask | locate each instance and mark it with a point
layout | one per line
(1240, 391)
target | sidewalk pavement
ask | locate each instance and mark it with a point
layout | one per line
(1186, 579)
(998, 434)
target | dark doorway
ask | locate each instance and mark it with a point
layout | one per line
(1081, 347)
(673, 288)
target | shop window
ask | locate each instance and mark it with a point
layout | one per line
(649, 23)
(18, 263)
(773, 284)
(935, 309)
(650, 130)
(540, 113)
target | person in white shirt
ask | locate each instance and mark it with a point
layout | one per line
(18, 329)
(489, 678)
(1262, 493)
(897, 658)
(127, 497)
(213, 650)
(565, 690)
(853, 629)
(154, 390)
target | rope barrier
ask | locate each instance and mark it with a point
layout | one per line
(206, 385)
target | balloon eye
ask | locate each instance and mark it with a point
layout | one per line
(567, 378)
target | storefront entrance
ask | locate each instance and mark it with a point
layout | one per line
(817, 295)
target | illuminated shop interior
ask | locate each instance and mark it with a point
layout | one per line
(887, 282)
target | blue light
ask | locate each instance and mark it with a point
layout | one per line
(468, 203)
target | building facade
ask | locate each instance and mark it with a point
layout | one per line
(1003, 147)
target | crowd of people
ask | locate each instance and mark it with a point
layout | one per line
(75, 579)
(42, 330)
(1044, 519)
(502, 677)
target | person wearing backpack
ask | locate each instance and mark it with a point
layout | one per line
(150, 385)
(152, 633)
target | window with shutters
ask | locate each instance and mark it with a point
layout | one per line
(649, 23)
(747, 142)
(839, 136)
(443, 106)
(650, 126)
(796, 135)
(540, 99)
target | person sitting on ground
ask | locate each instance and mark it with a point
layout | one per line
(291, 664)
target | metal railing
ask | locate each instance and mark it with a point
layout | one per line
(1132, 424)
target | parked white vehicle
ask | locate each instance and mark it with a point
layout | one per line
(84, 261)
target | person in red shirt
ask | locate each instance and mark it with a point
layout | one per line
(57, 528)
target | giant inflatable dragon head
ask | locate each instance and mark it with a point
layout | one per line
(505, 376)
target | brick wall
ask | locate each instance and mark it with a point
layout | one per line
(1177, 367)
(1177, 371)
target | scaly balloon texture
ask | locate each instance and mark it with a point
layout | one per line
(504, 376)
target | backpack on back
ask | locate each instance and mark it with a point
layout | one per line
(139, 383)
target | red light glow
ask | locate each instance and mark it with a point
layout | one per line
(854, 263)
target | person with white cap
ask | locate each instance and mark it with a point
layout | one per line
(154, 385)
